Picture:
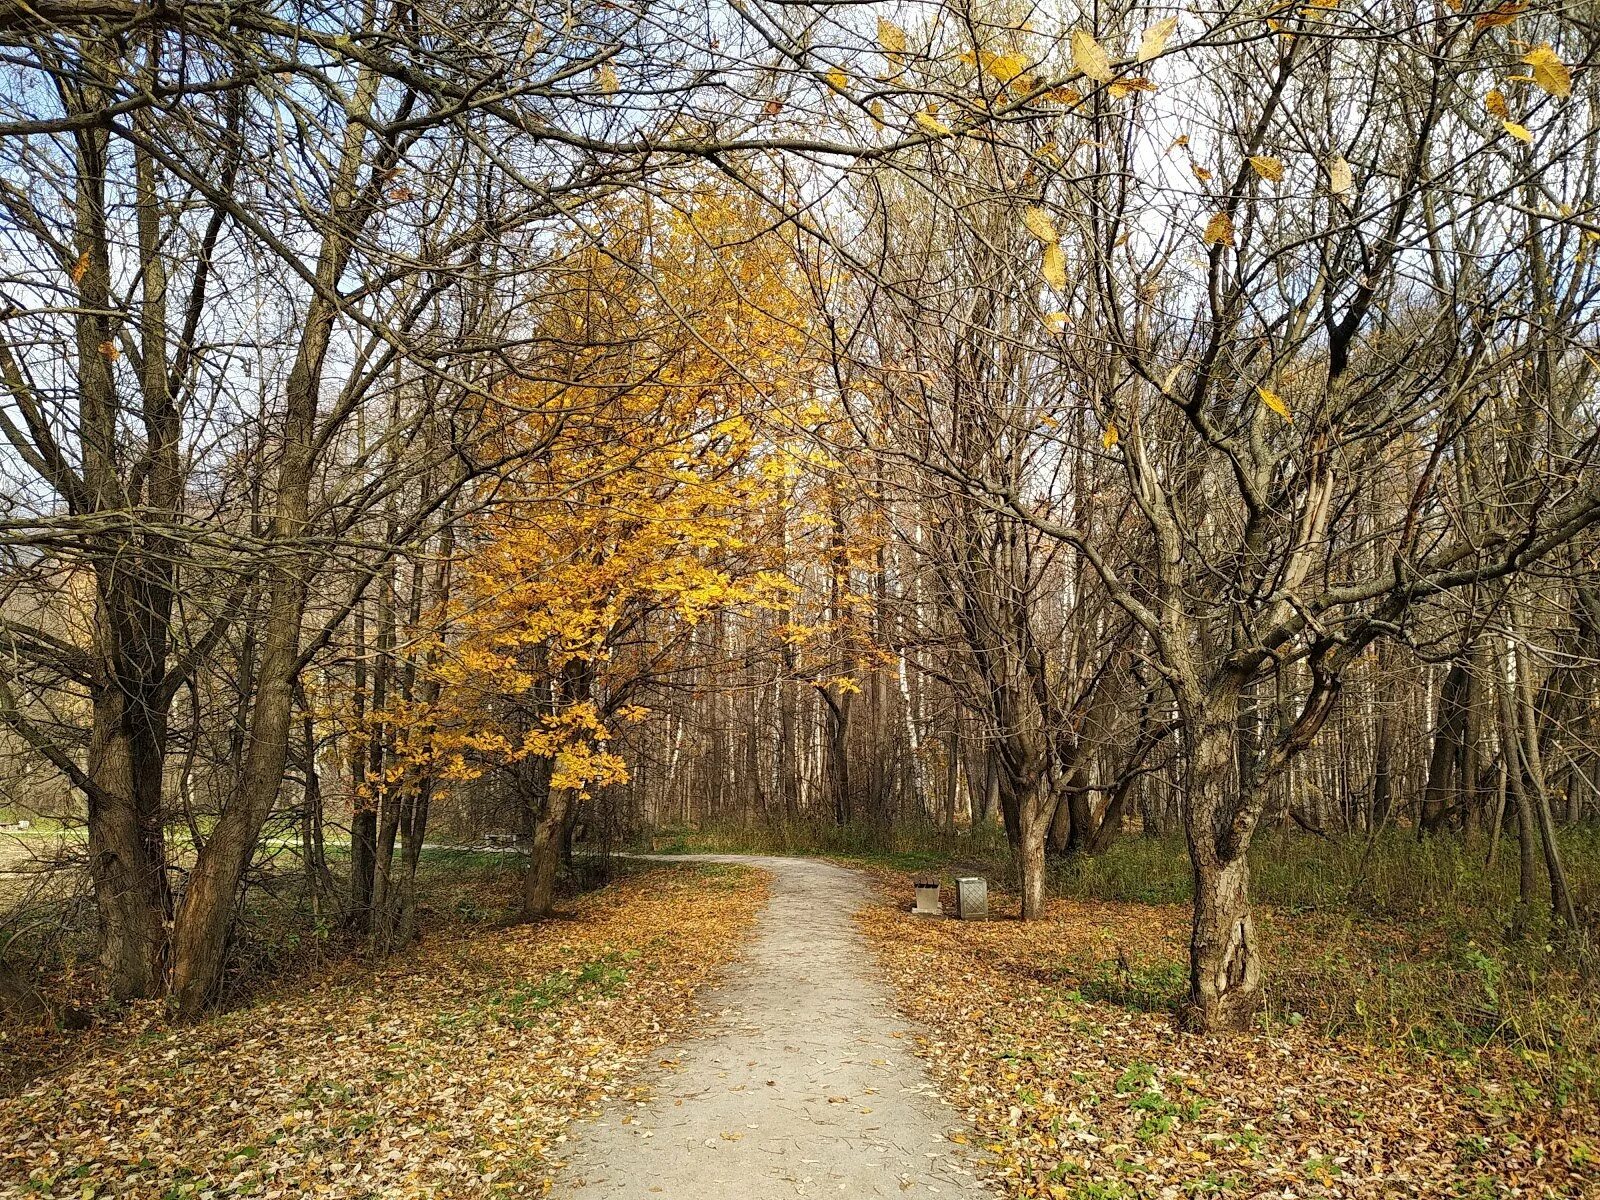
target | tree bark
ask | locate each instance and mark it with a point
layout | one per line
(201, 929)
(544, 855)
(127, 858)
(1440, 793)
(838, 743)
(1224, 956)
(363, 810)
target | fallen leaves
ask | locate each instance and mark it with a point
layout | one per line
(449, 1071)
(1074, 1096)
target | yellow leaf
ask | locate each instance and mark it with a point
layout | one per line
(1495, 102)
(1108, 439)
(837, 78)
(1340, 180)
(1055, 322)
(1155, 39)
(1549, 72)
(932, 124)
(891, 37)
(605, 79)
(1006, 67)
(1054, 268)
(1268, 167)
(1219, 230)
(1040, 225)
(1088, 58)
(1519, 132)
(1275, 402)
(1503, 15)
(1126, 87)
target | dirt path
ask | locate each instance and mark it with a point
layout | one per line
(801, 1087)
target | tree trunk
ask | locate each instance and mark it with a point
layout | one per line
(952, 780)
(1527, 861)
(1035, 803)
(1059, 838)
(838, 770)
(313, 853)
(1382, 773)
(127, 857)
(363, 810)
(533, 795)
(384, 892)
(1110, 827)
(413, 830)
(544, 857)
(989, 801)
(1031, 862)
(1224, 956)
(1561, 905)
(363, 862)
(1439, 794)
(133, 574)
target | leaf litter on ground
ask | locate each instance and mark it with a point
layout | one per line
(451, 1070)
(1076, 1090)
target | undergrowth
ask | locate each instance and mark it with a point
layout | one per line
(1390, 940)
(283, 930)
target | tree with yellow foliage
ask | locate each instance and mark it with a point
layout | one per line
(645, 508)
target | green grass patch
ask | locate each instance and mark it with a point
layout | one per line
(1148, 987)
(912, 847)
(527, 1003)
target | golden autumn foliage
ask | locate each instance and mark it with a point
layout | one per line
(646, 491)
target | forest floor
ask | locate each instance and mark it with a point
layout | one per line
(452, 1070)
(457, 1068)
(1055, 1041)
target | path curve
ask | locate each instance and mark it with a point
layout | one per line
(798, 1088)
